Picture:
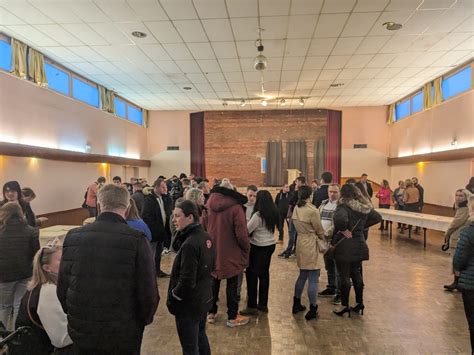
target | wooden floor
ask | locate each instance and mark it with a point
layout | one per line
(407, 311)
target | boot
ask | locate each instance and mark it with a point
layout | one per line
(312, 313)
(454, 286)
(297, 306)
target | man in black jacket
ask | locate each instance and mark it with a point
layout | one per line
(321, 193)
(106, 282)
(156, 214)
(282, 201)
(421, 201)
(190, 287)
(365, 185)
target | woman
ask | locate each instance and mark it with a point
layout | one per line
(411, 197)
(398, 199)
(353, 214)
(309, 258)
(12, 193)
(28, 196)
(384, 200)
(190, 287)
(40, 308)
(452, 234)
(261, 227)
(197, 196)
(18, 245)
(463, 263)
(134, 220)
(470, 186)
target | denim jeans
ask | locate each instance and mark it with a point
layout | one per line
(258, 275)
(291, 237)
(192, 336)
(231, 295)
(313, 277)
(334, 282)
(11, 294)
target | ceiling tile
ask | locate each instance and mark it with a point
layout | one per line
(59, 13)
(273, 48)
(188, 66)
(330, 25)
(155, 52)
(315, 62)
(450, 41)
(9, 19)
(451, 58)
(329, 74)
(108, 67)
(332, 7)
(200, 80)
(466, 45)
(242, 8)
(336, 62)
(245, 28)
(117, 10)
(368, 73)
(177, 51)
(346, 45)
(234, 77)
(59, 34)
(398, 44)
(290, 75)
(168, 66)
(229, 65)
(310, 74)
(31, 35)
(306, 7)
(218, 30)
(426, 59)
(28, 13)
(191, 30)
(398, 5)
(275, 27)
(359, 60)
(224, 49)
(88, 68)
(297, 47)
(111, 33)
(179, 9)
(305, 85)
(293, 63)
(420, 21)
(404, 60)
(321, 46)
(148, 10)
(246, 49)
(348, 74)
(409, 73)
(466, 26)
(128, 27)
(436, 4)
(381, 60)
(372, 45)
(301, 26)
(209, 65)
(274, 7)
(86, 34)
(451, 19)
(164, 31)
(210, 8)
(201, 50)
(370, 5)
(87, 53)
(63, 53)
(388, 73)
(359, 24)
(387, 16)
(425, 42)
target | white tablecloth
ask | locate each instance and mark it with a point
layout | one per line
(58, 231)
(423, 220)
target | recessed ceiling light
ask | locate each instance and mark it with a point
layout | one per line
(224, 103)
(392, 26)
(187, 88)
(242, 103)
(282, 102)
(301, 102)
(138, 34)
(336, 85)
(264, 103)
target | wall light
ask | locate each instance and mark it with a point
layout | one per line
(282, 102)
(301, 102)
(242, 103)
(454, 142)
(264, 103)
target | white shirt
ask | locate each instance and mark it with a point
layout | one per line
(260, 235)
(248, 211)
(162, 208)
(326, 214)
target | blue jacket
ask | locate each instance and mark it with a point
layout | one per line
(463, 260)
(141, 226)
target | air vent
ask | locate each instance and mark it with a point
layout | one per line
(172, 147)
(360, 146)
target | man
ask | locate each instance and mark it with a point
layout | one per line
(326, 211)
(91, 196)
(364, 185)
(138, 196)
(282, 201)
(106, 281)
(251, 198)
(228, 228)
(290, 250)
(117, 180)
(156, 214)
(190, 287)
(314, 185)
(321, 193)
(421, 201)
(204, 187)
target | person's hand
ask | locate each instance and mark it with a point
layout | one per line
(42, 219)
(347, 233)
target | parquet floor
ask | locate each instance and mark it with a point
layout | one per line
(407, 311)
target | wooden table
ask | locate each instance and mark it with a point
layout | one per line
(50, 233)
(423, 220)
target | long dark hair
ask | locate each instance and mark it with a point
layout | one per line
(304, 192)
(268, 211)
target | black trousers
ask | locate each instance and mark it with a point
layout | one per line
(159, 250)
(192, 336)
(113, 351)
(231, 295)
(281, 226)
(382, 224)
(350, 271)
(258, 275)
(468, 299)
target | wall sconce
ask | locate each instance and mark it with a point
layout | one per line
(454, 142)
(87, 147)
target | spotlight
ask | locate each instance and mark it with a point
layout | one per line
(264, 103)
(454, 142)
(301, 102)
(392, 26)
(224, 103)
(138, 34)
(242, 103)
(282, 102)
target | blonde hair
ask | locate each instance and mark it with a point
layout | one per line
(194, 194)
(112, 197)
(10, 210)
(226, 183)
(133, 212)
(43, 257)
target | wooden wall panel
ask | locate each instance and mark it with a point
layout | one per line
(69, 217)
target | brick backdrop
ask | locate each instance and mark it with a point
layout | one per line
(236, 140)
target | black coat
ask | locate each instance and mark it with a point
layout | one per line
(354, 216)
(370, 192)
(190, 287)
(107, 284)
(282, 201)
(421, 190)
(151, 215)
(320, 195)
(27, 212)
(18, 245)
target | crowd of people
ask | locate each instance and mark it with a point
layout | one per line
(96, 291)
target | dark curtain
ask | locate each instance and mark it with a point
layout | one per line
(333, 144)
(198, 162)
(296, 157)
(319, 157)
(274, 169)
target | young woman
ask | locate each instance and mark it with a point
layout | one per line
(197, 196)
(28, 196)
(18, 245)
(452, 234)
(40, 308)
(134, 220)
(261, 227)
(384, 200)
(12, 193)
(309, 258)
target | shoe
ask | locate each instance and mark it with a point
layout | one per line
(336, 299)
(454, 286)
(380, 228)
(312, 313)
(292, 255)
(342, 311)
(263, 309)
(162, 274)
(238, 321)
(211, 318)
(165, 252)
(297, 306)
(327, 292)
(359, 309)
(284, 255)
(249, 311)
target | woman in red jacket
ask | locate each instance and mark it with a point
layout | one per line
(384, 196)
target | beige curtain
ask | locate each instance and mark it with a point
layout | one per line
(106, 99)
(19, 58)
(111, 101)
(145, 118)
(391, 114)
(438, 93)
(427, 100)
(36, 68)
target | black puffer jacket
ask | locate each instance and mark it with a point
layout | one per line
(18, 245)
(354, 216)
(107, 284)
(190, 287)
(151, 214)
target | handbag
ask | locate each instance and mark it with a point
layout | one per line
(332, 248)
(323, 245)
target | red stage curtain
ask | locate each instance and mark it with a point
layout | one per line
(198, 162)
(333, 144)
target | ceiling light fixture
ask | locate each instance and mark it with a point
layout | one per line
(336, 85)
(138, 34)
(392, 26)
(264, 103)
(242, 103)
(224, 103)
(260, 61)
(282, 102)
(301, 102)
(187, 88)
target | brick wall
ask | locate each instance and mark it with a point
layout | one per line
(236, 140)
